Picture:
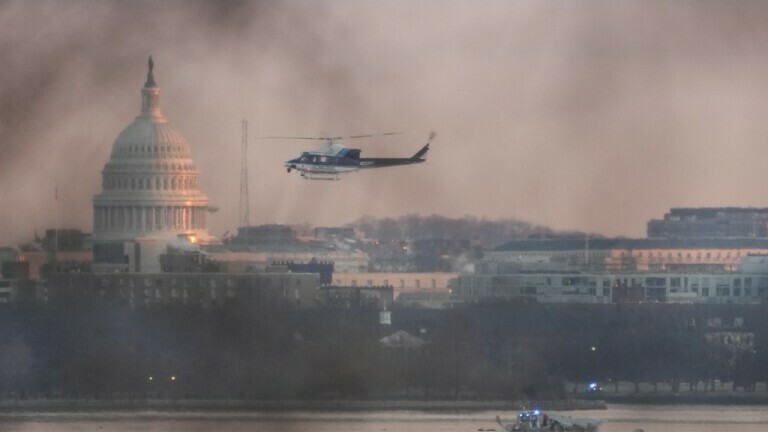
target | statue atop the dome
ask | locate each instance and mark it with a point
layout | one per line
(150, 77)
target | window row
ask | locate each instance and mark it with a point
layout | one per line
(139, 218)
(155, 183)
(153, 151)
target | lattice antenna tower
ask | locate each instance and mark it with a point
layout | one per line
(244, 204)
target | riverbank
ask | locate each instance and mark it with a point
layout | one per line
(683, 398)
(39, 405)
(599, 402)
(663, 394)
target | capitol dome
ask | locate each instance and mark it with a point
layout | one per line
(149, 184)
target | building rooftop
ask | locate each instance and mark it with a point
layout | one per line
(630, 243)
(713, 212)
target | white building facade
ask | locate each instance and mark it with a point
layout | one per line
(149, 191)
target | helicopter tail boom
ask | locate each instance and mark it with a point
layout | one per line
(419, 154)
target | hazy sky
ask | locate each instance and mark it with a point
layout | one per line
(588, 115)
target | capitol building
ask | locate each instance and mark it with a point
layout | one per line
(150, 195)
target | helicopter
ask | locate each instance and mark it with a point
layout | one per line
(333, 159)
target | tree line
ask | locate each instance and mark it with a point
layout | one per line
(94, 350)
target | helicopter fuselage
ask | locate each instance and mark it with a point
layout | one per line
(320, 163)
(334, 159)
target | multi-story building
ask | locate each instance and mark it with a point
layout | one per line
(207, 289)
(748, 284)
(614, 254)
(711, 222)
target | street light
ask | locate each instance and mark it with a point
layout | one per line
(173, 388)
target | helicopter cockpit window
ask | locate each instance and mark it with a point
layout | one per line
(304, 159)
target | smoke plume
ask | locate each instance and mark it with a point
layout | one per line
(593, 115)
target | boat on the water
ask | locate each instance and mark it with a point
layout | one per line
(537, 421)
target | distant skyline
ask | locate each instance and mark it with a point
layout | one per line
(593, 115)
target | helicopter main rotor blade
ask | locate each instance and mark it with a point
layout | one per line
(301, 138)
(330, 138)
(373, 135)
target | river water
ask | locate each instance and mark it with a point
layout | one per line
(619, 418)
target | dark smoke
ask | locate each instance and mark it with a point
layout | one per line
(593, 115)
